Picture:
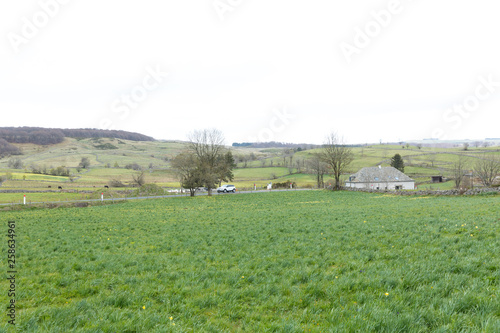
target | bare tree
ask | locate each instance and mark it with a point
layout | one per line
(207, 145)
(459, 169)
(298, 163)
(337, 155)
(139, 178)
(487, 168)
(15, 163)
(432, 158)
(465, 146)
(84, 163)
(319, 168)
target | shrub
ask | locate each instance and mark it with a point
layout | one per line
(133, 166)
(285, 185)
(106, 146)
(16, 163)
(148, 190)
(116, 183)
(59, 171)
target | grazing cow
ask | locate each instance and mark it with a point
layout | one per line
(106, 186)
(59, 187)
(50, 186)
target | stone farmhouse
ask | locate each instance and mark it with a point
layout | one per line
(378, 178)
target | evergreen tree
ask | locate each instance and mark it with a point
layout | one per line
(398, 163)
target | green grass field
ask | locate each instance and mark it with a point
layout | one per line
(301, 261)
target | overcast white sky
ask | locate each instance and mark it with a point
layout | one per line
(259, 70)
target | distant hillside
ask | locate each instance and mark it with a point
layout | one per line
(7, 149)
(46, 136)
(274, 144)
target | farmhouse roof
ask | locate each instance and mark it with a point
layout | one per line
(380, 175)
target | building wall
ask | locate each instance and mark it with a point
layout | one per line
(382, 186)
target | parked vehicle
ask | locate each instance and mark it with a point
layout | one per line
(226, 189)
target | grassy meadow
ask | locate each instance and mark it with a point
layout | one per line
(299, 261)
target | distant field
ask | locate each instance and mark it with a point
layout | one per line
(312, 261)
(36, 177)
(259, 173)
(263, 165)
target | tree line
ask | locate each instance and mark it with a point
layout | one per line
(274, 144)
(47, 136)
(7, 149)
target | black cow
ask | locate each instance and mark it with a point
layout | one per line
(50, 186)
(59, 187)
(106, 186)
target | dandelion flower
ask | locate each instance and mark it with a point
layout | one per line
(144, 307)
(171, 318)
(242, 277)
(386, 294)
